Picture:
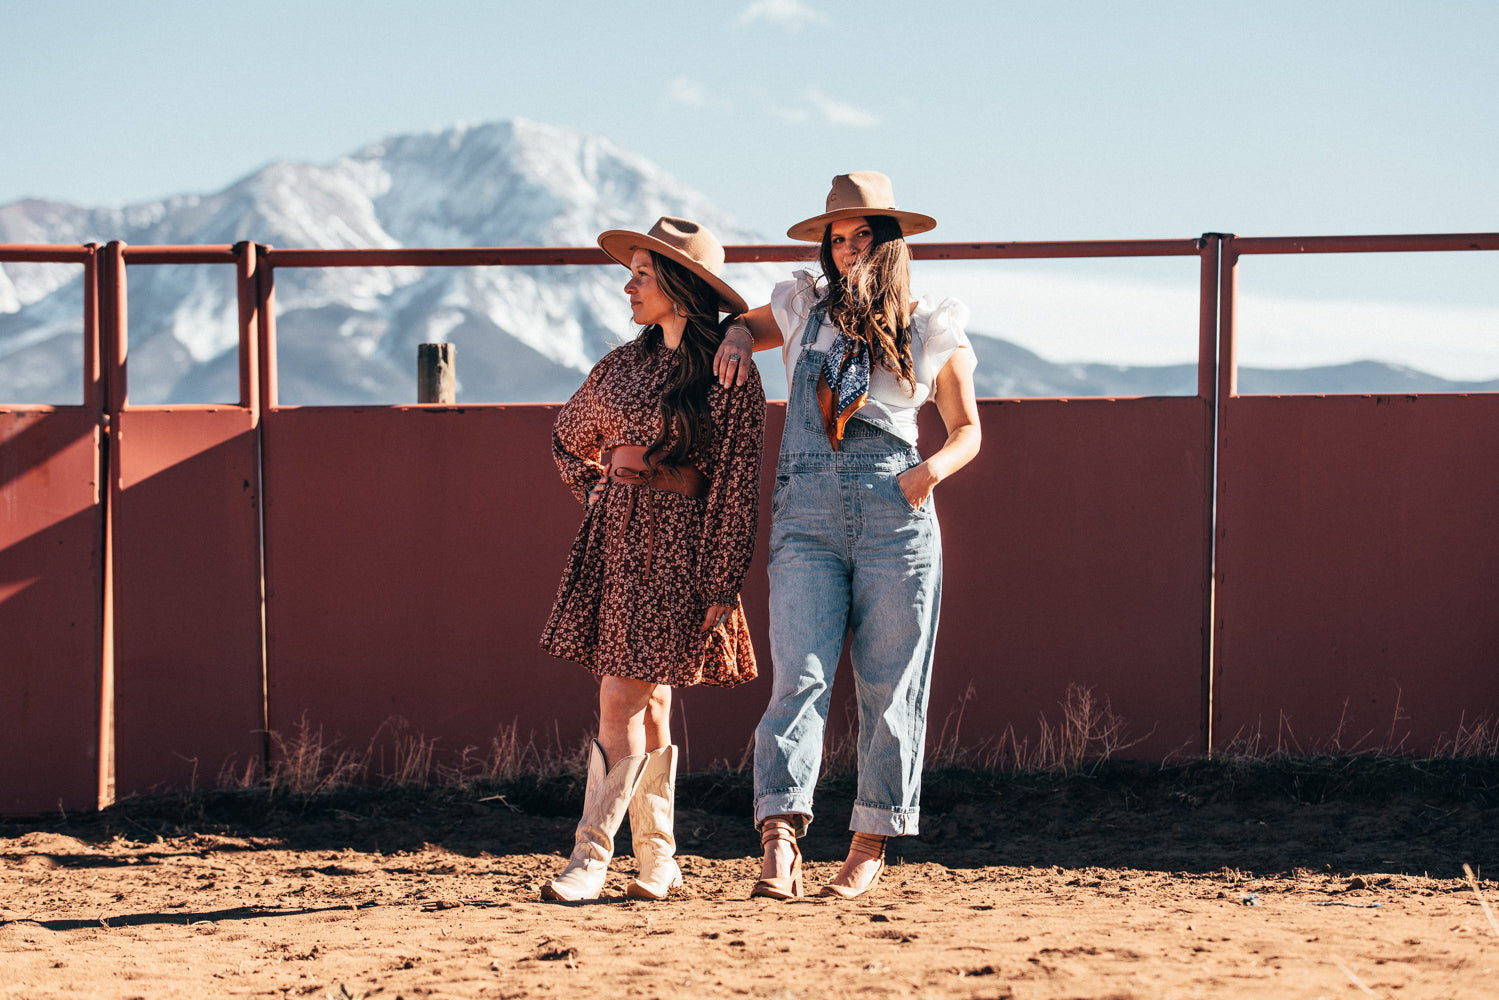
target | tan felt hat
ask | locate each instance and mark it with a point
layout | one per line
(685, 242)
(861, 193)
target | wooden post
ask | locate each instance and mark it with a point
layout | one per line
(436, 374)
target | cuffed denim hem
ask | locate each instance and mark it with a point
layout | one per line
(888, 821)
(793, 802)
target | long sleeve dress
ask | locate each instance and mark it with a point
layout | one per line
(646, 563)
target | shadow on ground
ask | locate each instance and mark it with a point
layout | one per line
(1329, 814)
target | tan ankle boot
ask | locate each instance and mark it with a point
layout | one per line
(652, 817)
(604, 804)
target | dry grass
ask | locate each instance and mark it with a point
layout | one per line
(307, 762)
(1471, 740)
(1473, 884)
(1478, 740)
(1087, 734)
(1084, 735)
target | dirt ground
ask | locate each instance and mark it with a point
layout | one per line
(1338, 878)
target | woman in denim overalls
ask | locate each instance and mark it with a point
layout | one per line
(854, 543)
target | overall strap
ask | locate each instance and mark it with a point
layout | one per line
(814, 323)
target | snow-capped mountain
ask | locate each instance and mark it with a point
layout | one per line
(350, 335)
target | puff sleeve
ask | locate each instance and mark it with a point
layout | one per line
(945, 333)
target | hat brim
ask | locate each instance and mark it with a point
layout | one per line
(621, 244)
(810, 230)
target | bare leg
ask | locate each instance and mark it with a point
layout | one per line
(622, 716)
(657, 723)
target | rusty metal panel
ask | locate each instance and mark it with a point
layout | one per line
(411, 559)
(51, 616)
(1074, 551)
(188, 696)
(1357, 570)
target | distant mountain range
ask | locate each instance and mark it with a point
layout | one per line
(523, 334)
(1009, 370)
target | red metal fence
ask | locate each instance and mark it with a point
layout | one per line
(1357, 552)
(253, 566)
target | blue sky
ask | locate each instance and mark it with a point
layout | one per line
(1005, 120)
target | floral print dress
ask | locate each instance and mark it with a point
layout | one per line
(644, 569)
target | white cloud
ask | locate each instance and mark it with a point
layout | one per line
(690, 93)
(792, 116)
(836, 112)
(791, 13)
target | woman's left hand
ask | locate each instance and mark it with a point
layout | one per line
(717, 613)
(731, 363)
(597, 492)
(917, 483)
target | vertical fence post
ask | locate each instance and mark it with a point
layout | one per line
(264, 346)
(246, 265)
(250, 272)
(436, 373)
(113, 350)
(1228, 386)
(1207, 391)
(97, 306)
(265, 329)
(1228, 350)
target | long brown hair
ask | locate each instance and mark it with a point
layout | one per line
(872, 301)
(686, 419)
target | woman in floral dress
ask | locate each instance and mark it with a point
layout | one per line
(667, 463)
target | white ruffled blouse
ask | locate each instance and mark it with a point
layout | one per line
(936, 332)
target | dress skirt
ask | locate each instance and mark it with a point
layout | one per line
(629, 604)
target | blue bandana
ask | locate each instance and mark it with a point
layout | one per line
(843, 384)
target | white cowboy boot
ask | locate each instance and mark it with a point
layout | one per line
(652, 816)
(605, 801)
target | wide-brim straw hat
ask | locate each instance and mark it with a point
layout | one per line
(683, 241)
(861, 193)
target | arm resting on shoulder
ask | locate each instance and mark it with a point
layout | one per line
(755, 330)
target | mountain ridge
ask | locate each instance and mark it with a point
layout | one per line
(348, 335)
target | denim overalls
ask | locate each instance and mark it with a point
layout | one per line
(848, 552)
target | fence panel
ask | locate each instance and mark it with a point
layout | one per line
(1075, 552)
(411, 558)
(51, 613)
(188, 697)
(54, 651)
(1357, 577)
